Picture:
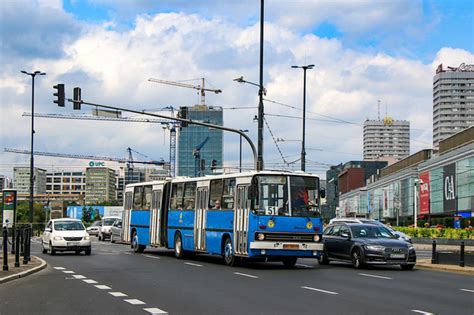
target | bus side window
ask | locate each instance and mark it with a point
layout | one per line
(190, 195)
(137, 197)
(228, 194)
(147, 198)
(128, 200)
(215, 194)
(177, 196)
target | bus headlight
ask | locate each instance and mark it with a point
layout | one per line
(316, 238)
(261, 236)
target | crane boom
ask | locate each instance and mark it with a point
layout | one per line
(82, 157)
(201, 88)
(87, 117)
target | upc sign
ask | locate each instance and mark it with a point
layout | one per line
(96, 164)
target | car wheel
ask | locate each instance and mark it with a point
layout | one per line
(88, 252)
(323, 259)
(290, 262)
(100, 238)
(136, 247)
(229, 256)
(51, 249)
(407, 267)
(178, 246)
(357, 260)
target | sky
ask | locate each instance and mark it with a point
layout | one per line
(363, 51)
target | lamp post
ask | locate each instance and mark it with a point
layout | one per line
(240, 150)
(303, 150)
(260, 95)
(32, 74)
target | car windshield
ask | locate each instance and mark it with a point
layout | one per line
(68, 226)
(109, 221)
(371, 231)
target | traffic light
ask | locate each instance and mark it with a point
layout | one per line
(59, 94)
(183, 113)
(77, 98)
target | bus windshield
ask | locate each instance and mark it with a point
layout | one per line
(280, 195)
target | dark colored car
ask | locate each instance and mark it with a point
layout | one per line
(366, 244)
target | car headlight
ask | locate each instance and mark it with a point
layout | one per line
(57, 238)
(87, 237)
(410, 248)
(377, 248)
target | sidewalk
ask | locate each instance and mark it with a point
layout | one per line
(13, 272)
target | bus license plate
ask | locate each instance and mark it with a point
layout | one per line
(72, 243)
(291, 246)
(397, 255)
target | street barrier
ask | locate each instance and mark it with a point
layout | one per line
(17, 248)
(433, 253)
(461, 262)
(452, 257)
(5, 249)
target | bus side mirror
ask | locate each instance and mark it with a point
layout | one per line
(322, 193)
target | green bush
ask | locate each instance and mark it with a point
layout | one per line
(437, 232)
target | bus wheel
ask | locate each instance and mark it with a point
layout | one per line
(178, 246)
(136, 247)
(229, 256)
(290, 262)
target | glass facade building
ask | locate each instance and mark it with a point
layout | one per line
(190, 137)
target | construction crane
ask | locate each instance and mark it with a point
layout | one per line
(201, 88)
(198, 168)
(129, 161)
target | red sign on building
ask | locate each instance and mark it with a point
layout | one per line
(425, 193)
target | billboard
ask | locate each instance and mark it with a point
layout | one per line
(449, 188)
(425, 193)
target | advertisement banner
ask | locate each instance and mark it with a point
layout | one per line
(425, 193)
(9, 207)
(449, 188)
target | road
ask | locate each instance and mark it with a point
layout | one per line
(114, 280)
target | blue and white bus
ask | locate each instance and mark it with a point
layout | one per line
(264, 215)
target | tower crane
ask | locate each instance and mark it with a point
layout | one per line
(201, 88)
(198, 168)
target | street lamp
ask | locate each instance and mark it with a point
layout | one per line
(303, 151)
(415, 204)
(32, 74)
(240, 159)
(285, 140)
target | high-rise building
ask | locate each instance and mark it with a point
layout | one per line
(66, 183)
(453, 101)
(21, 180)
(100, 185)
(386, 140)
(193, 136)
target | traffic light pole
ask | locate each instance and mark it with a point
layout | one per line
(78, 102)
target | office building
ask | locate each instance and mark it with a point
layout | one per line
(453, 101)
(208, 141)
(386, 140)
(66, 183)
(100, 185)
(21, 180)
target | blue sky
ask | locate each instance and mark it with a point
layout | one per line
(363, 51)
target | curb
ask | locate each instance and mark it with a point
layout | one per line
(444, 268)
(26, 272)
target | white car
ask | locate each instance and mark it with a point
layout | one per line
(105, 227)
(93, 229)
(65, 235)
(399, 234)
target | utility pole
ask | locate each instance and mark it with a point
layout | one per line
(260, 165)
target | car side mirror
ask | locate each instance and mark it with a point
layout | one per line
(345, 235)
(47, 230)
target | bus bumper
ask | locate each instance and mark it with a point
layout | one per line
(286, 246)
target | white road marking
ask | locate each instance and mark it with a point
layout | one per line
(375, 276)
(191, 264)
(467, 290)
(118, 294)
(154, 311)
(245, 275)
(150, 256)
(79, 276)
(68, 271)
(59, 268)
(89, 281)
(102, 287)
(134, 301)
(422, 312)
(319, 290)
(127, 253)
(305, 266)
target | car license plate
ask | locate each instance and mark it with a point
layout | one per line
(397, 255)
(291, 246)
(72, 243)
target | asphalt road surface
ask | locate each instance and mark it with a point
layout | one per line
(114, 280)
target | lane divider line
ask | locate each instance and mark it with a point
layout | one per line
(319, 290)
(79, 276)
(134, 301)
(304, 266)
(467, 290)
(150, 256)
(375, 276)
(68, 271)
(102, 287)
(59, 268)
(117, 294)
(245, 275)
(154, 311)
(422, 312)
(90, 281)
(191, 264)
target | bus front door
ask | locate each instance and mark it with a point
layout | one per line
(155, 219)
(200, 220)
(241, 221)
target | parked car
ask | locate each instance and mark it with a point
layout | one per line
(65, 235)
(363, 244)
(106, 224)
(93, 229)
(399, 234)
(116, 231)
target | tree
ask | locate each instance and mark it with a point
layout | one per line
(86, 214)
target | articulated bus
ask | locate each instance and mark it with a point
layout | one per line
(266, 215)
